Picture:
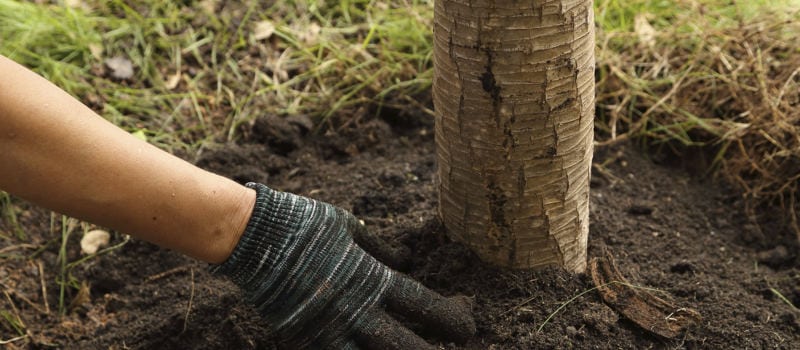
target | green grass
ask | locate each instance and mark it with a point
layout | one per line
(65, 227)
(619, 15)
(8, 214)
(10, 322)
(53, 40)
(324, 58)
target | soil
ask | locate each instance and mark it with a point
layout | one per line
(667, 229)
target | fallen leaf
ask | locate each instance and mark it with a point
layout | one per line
(173, 80)
(139, 134)
(310, 34)
(121, 67)
(209, 5)
(94, 240)
(302, 121)
(263, 30)
(74, 4)
(96, 50)
(84, 296)
(646, 32)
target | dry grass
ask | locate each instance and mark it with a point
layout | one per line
(729, 89)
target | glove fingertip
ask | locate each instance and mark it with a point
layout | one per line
(450, 318)
(461, 320)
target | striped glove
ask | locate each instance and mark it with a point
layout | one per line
(298, 265)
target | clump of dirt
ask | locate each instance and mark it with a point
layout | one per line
(667, 230)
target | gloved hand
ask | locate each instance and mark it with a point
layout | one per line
(299, 266)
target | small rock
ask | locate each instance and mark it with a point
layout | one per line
(572, 331)
(282, 136)
(600, 317)
(682, 267)
(596, 182)
(790, 318)
(32, 270)
(775, 257)
(114, 303)
(640, 209)
(392, 177)
(525, 314)
(701, 292)
(301, 120)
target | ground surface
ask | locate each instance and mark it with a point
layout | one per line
(666, 229)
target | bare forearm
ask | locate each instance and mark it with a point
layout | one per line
(58, 153)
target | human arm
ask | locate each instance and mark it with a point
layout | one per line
(292, 256)
(58, 153)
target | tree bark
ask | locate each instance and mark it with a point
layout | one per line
(514, 95)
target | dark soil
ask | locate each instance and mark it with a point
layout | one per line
(667, 230)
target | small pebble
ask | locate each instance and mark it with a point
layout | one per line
(640, 209)
(571, 331)
(775, 257)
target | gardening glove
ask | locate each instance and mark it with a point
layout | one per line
(298, 265)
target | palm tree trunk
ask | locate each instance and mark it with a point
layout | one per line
(514, 95)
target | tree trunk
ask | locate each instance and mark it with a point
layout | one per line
(514, 95)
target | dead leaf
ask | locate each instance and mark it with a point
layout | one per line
(646, 32)
(139, 134)
(173, 80)
(646, 310)
(75, 4)
(209, 6)
(96, 50)
(121, 67)
(302, 121)
(263, 30)
(84, 296)
(310, 34)
(94, 240)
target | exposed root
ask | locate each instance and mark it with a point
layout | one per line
(169, 272)
(189, 306)
(15, 339)
(646, 310)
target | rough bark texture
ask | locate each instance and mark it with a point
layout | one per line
(514, 97)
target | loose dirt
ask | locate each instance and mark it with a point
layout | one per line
(666, 229)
